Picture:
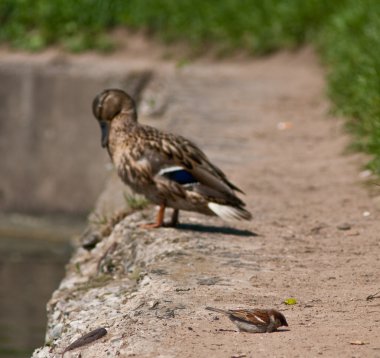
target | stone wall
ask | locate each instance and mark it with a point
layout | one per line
(52, 161)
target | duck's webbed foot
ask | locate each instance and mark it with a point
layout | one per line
(159, 220)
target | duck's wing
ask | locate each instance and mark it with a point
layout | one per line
(183, 160)
(189, 170)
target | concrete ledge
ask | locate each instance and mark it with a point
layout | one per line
(52, 160)
(148, 289)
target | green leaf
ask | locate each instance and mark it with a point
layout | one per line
(290, 301)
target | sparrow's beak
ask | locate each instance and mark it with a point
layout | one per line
(105, 131)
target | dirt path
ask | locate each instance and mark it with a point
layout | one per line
(317, 228)
(300, 188)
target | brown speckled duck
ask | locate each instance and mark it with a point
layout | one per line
(168, 169)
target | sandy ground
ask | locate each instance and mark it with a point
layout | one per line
(314, 233)
(302, 190)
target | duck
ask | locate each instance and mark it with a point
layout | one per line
(168, 169)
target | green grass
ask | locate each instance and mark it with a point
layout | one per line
(255, 25)
(346, 33)
(350, 45)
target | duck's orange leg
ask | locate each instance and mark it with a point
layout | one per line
(159, 219)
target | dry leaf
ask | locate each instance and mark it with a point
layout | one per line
(358, 343)
(282, 126)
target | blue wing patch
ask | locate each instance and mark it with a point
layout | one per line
(179, 175)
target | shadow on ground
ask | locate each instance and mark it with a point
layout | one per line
(216, 229)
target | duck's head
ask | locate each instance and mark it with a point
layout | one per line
(109, 104)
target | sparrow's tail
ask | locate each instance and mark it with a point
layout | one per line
(217, 310)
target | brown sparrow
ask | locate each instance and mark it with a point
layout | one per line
(254, 320)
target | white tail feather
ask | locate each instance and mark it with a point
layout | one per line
(169, 169)
(229, 212)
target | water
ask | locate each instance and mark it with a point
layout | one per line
(32, 261)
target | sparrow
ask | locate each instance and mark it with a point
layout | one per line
(254, 320)
(170, 170)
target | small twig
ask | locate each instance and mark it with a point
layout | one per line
(103, 257)
(86, 339)
(373, 296)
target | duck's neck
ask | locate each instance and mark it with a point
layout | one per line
(121, 131)
(129, 113)
(123, 123)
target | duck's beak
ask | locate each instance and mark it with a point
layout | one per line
(104, 127)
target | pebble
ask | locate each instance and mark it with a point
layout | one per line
(209, 281)
(56, 332)
(344, 226)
